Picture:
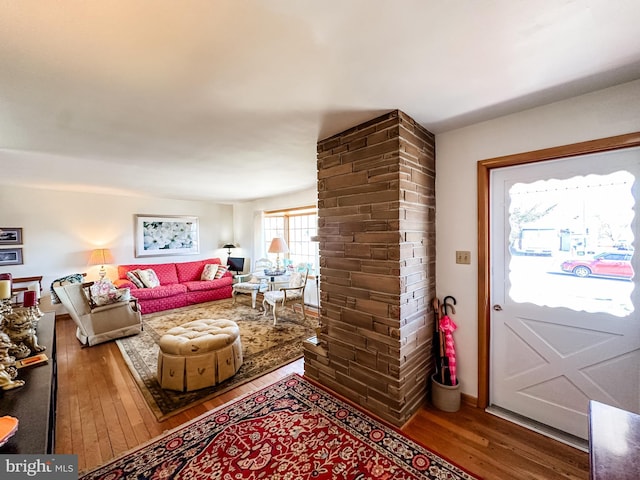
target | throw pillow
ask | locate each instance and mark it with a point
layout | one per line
(149, 278)
(133, 276)
(222, 269)
(115, 296)
(101, 287)
(209, 272)
(97, 288)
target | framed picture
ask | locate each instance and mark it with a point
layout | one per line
(162, 235)
(10, 236)
(11, 256)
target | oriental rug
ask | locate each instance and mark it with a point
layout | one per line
(265, 348)
(292, 429)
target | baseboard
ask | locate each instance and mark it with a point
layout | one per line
(469, 400)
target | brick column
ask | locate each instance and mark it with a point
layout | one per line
(376, 209)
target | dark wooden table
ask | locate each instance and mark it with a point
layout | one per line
(34, 403)
(614, 443)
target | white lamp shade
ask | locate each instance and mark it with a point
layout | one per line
(101, 256)
(278, 245)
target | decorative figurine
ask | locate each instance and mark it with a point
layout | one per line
(6, 382)
(8, 361)
(5, 307)
(19, 326)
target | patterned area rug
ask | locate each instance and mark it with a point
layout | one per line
(265, 348)
(289, 430)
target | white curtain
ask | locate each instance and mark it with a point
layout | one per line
(258, 236)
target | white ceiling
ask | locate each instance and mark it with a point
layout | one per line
(225, 100)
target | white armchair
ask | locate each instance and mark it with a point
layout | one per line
(257, 283)
(291, 295)
(98, 324)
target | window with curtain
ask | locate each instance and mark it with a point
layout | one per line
(296, 226)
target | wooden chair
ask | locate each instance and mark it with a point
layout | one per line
(291, 295)
(256, 284)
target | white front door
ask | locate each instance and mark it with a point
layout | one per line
(565, 320)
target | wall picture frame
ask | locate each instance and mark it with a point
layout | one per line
(164, 235)
(10, 256)
(10, 236)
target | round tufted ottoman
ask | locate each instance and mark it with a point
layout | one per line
(199, 354)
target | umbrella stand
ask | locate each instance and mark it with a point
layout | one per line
(445, 397)
(445, 388)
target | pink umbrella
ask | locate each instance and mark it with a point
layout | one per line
(448, 326)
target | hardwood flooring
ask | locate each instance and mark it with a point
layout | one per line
(101, 414)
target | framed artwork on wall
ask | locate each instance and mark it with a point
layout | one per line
(10, 236)
(11, 256)
(163, 235)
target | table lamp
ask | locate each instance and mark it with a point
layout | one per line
(278, 246)
(101, 256)
(229, 246)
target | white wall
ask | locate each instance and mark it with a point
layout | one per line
(609, 112)
(61, 228)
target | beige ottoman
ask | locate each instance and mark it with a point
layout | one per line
(199, 354)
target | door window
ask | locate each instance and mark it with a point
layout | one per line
(571, 243)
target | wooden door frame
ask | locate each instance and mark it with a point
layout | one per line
(484, 168)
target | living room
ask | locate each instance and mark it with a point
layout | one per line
(71, 224)
(61, 225)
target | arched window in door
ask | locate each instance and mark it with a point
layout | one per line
(571, 242)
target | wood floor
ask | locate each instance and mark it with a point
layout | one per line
(101, 414)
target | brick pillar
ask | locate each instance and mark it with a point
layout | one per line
(376, 209)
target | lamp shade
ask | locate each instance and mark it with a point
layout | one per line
(101, 256)
(228, 245)
(278, 245)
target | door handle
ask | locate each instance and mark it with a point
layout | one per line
(497, 308)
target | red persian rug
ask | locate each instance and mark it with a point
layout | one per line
(292, 429)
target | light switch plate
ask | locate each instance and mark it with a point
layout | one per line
(463, 257)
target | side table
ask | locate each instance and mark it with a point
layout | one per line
(614, 436)
(276, 281)
(241, 277)
(34, 404)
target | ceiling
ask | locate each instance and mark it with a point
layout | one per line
(225, 101)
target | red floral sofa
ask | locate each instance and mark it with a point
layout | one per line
(180, 285)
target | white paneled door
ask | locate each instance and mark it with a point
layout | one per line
(565, 319)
